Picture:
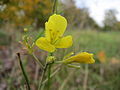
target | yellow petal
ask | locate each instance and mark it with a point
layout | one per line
(83, 57)
(64, 42)
(42, 43)
(55, 27)
(48, 28)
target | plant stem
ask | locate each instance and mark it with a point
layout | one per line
(54, 7)
(38, 61)
(49, 73)
(49, 70)
(23, 71)
(86, 77)
(36, 74)
(67, 79)
(43, 74)
(58, 68)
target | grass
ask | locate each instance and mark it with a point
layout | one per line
(95, 42)
(98, 76)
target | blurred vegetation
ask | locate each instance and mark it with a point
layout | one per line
(22, 13)
(4, 39)
(110, 21)
(101, 75)
(25, 12)
(98, 41)
(104, 42)
(78, 17)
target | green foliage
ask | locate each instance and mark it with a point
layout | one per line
(26, 12)
(110, 21)
(97, 41)
(4, 39)
(73, 79)
(78, 17)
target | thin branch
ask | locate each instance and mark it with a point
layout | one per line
(43, 74)
(54, 7)
(36, 74)
(54, 73)
(85, 78)
(49, 73)
(38, 61)
(66, 80)
(23, 71)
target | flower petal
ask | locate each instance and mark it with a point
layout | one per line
(42, 43)
(83, 57)
(55, 27)
(64, 42)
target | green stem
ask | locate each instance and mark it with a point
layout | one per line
(54, 7)
(43, 74)
(38, 61)
(52, 75)
(23, 71)
(49, 73)
(66, 80)
(86, 77)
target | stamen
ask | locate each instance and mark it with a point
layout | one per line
(50, 30)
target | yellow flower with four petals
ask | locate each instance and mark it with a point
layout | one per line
(54, 30)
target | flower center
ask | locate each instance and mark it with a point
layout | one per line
(54, 36)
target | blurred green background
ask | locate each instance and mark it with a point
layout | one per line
(103, 41)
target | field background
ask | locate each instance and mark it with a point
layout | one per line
(103, 42)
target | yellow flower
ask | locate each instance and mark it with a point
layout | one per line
(25, 29)
(83, 57)
(54, 30)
